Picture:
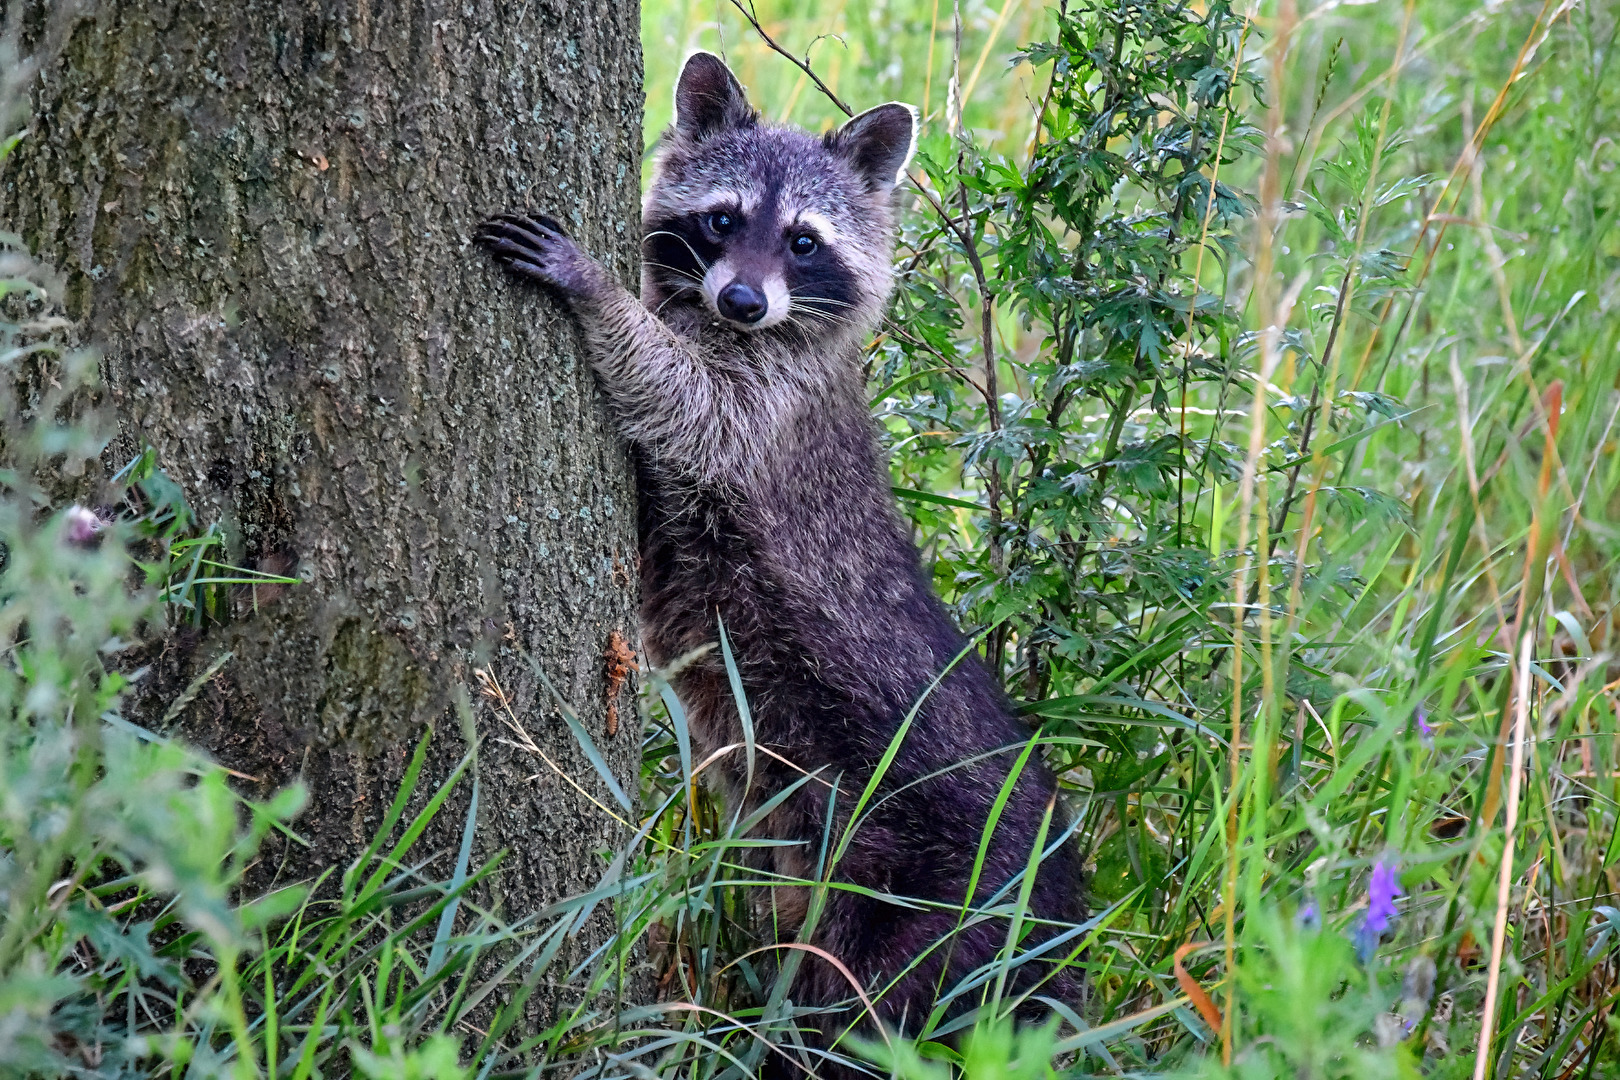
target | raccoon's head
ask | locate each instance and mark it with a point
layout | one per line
(772, 228)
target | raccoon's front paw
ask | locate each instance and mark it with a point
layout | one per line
(538, 249)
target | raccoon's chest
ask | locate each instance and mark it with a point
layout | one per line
(698, 566)
(698, 571)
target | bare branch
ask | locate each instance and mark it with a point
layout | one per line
(747, 10)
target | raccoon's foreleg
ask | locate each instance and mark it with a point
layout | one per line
(668, 400)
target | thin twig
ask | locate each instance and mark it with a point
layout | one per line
(970, 247)
(747, 11)
(1504, 878)
(1274, 311)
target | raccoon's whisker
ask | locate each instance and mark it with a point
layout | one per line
(828, 318)
(818, 312)
(676, 272)
(808, 317)
(824, 316)
(809, 300)
(820, 301)
(813, 308)
(682, 239)
(682, 291)
(800, 304)
(687, 274)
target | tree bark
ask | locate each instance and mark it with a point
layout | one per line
(262, 209)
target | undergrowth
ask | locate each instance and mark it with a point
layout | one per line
(1287, 513)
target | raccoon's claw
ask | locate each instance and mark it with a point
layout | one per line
(537, 248)
(533, 223)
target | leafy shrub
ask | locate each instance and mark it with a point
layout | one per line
(117, 849)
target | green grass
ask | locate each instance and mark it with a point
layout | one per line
(1279, 642)
(1456, 500)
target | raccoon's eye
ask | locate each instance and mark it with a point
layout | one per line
(803, 244)
(721, 223)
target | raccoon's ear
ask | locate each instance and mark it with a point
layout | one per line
(709, 99)
(878, 143)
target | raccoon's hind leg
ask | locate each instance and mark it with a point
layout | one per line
(876, 943)
(898, 955)
(905, 960)
(873, 942)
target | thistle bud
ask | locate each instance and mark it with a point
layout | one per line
(83, 527)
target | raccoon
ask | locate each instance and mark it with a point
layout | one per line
(765, 505)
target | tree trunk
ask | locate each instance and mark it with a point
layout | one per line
(262, 209)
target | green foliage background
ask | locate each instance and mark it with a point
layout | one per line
(1381, 430)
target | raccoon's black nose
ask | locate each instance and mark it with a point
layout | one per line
(741, 303)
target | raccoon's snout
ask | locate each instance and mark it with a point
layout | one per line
(749, 297)
(741, 302)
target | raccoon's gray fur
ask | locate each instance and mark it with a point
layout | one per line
(765, 501)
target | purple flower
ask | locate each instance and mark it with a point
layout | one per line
(1381, 894)
(1309, 917)
(83, 527)
(1382, 890)
(1425, 729)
